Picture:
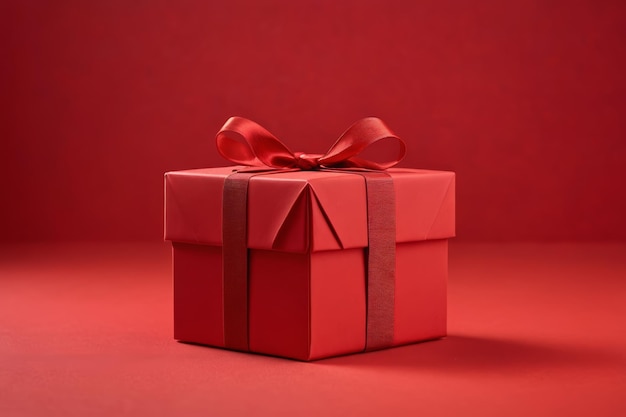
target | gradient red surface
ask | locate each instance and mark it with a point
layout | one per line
(525, 101)
(534, 330)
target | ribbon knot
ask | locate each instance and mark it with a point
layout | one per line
(307, 161)
(245, 142)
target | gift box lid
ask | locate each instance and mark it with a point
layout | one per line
(300, 211)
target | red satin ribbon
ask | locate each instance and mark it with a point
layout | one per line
(245, 142)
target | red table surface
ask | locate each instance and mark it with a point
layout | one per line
(535, 329)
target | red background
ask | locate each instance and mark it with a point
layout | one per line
(524, 100)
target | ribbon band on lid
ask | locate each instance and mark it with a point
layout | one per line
(245, 142)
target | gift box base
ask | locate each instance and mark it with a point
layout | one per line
(309, 306)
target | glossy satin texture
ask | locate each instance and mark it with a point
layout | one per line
(245, 142)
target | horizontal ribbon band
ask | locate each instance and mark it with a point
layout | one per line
(245, 142)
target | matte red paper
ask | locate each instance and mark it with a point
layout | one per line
(307, 237)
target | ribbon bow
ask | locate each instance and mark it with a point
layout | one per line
(245, 142)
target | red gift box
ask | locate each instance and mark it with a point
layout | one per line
(305, 288)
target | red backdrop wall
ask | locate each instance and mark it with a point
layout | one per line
(526, 101)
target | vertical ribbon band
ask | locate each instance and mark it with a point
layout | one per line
(235, 260)
(381, 260)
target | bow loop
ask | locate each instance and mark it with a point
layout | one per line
(245, 142)
(364, 134)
